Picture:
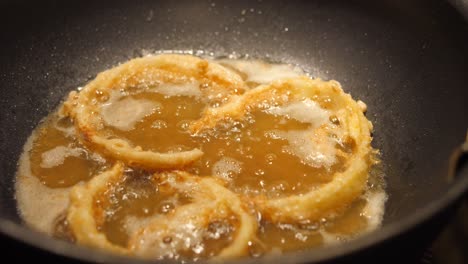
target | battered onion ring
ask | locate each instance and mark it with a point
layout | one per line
(329, 198)
(211, 201)
(85, 215)
(216, 83)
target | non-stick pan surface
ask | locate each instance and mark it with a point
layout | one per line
(408, 60)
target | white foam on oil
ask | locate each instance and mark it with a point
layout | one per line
(98, 158)
(184, 231)
(328, 238)
(123, 114)
(312, 150)
(38, 205)
(57, 156)
(305, 111)
(226, 168)
(186, 89)
(132, 224)
(263, 73)
(67, 131)
(374, 209)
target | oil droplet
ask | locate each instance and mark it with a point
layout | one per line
(183, 125)
(270, 158)
(150, 16)
(166, 208)
(159, 124)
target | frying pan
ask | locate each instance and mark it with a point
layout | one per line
(408, 60)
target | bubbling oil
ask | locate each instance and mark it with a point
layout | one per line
(253, 156)
(260, 158)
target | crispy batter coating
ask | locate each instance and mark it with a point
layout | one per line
(85, 215)
(216, 84)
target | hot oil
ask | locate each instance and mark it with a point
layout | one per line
(305, 235)
(139, 198)
(257, 157)
(216, 236)
(349, 222)
(50, 161)
(165, 129)
(253, 162)
(284, 238)
(143, 197)
(244, 153)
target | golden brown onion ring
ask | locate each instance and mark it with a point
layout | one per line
(85, 215)
(217, 84)
(185, 225)
(210, 201)
(345, 186)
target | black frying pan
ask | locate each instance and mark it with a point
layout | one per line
(408, 60)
